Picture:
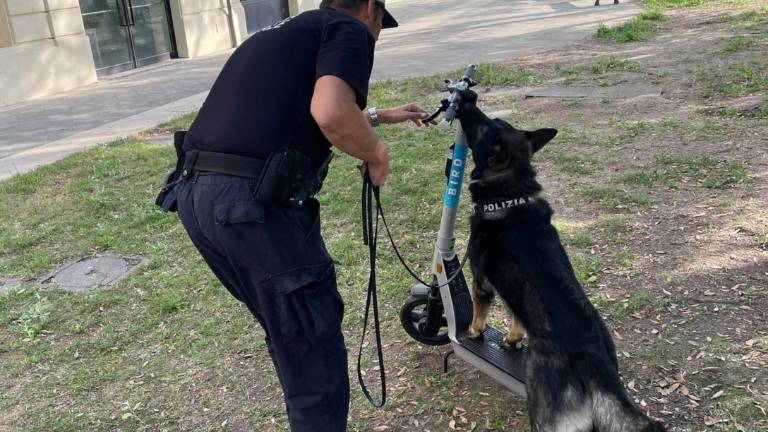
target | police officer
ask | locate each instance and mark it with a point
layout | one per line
(283, 98)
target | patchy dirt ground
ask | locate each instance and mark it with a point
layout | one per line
(664, 195)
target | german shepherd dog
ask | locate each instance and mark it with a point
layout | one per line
(572, 375)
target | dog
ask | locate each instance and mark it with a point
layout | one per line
(572, 373)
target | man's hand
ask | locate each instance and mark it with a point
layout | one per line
(377, 168)
(410, 112)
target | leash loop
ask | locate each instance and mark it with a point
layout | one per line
(370, 238)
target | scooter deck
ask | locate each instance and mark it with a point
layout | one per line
(511, 361)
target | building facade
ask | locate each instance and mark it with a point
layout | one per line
(51, 46)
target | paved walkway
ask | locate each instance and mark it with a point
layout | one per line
(434, 36)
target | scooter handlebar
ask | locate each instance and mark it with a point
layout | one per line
(455, 99)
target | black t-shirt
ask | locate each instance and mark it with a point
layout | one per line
(260, 102)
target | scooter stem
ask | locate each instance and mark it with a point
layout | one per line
(446, 237)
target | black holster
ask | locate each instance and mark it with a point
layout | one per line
(284, 173)
(312, 184)
(166, 199)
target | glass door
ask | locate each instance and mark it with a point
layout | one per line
(151, 31)
(126, 34)
(263, 13)
(106, 27)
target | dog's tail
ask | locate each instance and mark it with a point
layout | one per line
(616, 413)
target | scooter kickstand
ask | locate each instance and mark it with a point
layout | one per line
(445, 360)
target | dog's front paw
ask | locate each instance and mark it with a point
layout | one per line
(475, 332)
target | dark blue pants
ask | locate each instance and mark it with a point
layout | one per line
(275, 261)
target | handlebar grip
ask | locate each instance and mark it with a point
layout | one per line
(469, 72)
(450, 113)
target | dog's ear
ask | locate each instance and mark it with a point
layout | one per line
(540, 137)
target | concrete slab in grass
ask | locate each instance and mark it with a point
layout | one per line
(87, 273)
(7, 284)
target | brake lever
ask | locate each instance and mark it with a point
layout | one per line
(443, 106)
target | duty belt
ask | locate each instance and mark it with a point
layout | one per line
(222, 163)
(284, 178)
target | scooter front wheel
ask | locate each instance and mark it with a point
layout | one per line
(413, 317)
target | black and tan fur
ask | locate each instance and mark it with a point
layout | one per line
(572, 376)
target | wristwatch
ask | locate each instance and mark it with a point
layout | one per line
(373, 116)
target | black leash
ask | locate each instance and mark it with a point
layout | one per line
(370, 239)
(402, 261)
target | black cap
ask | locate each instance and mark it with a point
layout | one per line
(389, 20)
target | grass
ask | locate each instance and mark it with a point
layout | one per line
(181, 122)
(727, 112)
(679, 4)
(657, 4)
(566, 163)
(616, 229)
(502, 75)
(740, 80)
(640, 28)
(763, 111)
(738, 43)
(168, 302)
(573, 234)
(586, 268)
(709, 172)
(618, 309)
(614, 63)
(34, 318)
(645, 178)
(584, 135)
(750, 20)
(634, 303)
(613, 198)
(629, 130)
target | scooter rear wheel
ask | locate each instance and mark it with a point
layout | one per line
(413, 317)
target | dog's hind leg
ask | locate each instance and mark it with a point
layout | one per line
(482, 298)
(515, 332)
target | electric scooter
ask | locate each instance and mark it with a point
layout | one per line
(440, 313)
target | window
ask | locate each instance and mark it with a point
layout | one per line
(5, 26)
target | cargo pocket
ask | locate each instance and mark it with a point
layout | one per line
(238, 212)
(306, 219)
(309, 307)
